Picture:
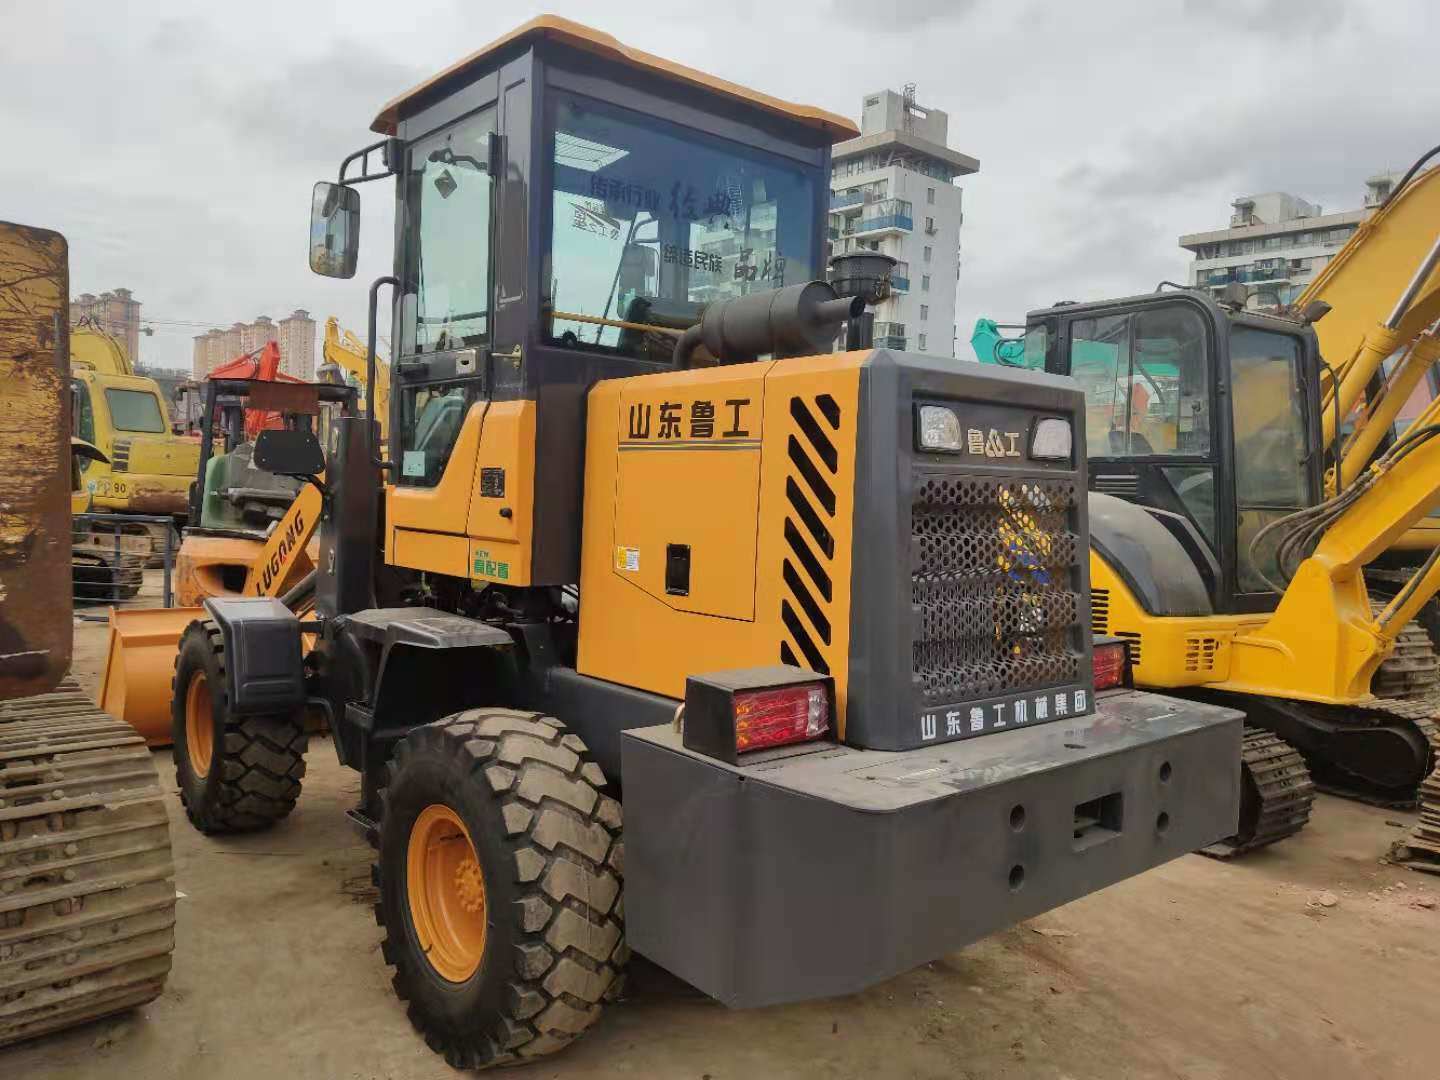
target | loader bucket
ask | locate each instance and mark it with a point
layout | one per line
(139, 664)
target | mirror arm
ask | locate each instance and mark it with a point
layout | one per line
(391, 153)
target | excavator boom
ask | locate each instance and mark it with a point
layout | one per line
(1383, 289)
(346, 353)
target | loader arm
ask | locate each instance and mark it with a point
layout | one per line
(277, 565)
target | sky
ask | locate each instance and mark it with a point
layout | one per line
(175, 143)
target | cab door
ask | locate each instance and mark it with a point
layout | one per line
(1151, 431)
(440, 382)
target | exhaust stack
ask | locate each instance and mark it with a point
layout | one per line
(798, 320)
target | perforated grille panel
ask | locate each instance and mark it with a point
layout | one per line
(993, 575)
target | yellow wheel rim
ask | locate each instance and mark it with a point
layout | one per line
(446, 891)
(199, 724)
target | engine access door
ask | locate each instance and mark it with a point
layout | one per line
(688, 491)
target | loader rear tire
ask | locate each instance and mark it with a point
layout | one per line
(235, 774)
(500, 868)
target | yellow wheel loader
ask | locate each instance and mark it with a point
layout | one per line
(713, 663)
(251, 534)
(87, 896)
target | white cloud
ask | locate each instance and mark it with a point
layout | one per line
(175, 143)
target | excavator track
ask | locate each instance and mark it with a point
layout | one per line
(1405, 698)
(1421, 849)
(1276, 795)
(87, 891)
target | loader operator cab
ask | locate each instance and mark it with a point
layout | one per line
(1206, 415)
(563, 218)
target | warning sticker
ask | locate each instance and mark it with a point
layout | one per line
(627, 560)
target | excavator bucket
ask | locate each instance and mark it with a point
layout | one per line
(139, 664)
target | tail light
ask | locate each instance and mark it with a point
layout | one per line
(730, 713)
(1110, 661)
(777, 717)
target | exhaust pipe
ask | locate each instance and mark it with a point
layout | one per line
(798, 320)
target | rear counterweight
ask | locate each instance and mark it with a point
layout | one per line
(824, 872)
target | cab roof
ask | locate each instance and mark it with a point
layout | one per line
(554, 28)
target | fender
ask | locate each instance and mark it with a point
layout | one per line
(263, 663)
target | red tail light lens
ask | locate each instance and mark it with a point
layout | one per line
(789, 714)
(1108, 662)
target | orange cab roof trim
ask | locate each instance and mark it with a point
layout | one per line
(602, 44)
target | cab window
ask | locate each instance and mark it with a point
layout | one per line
(651, 221)
(135, 410)
(82, 415)
(1146, 377)
(445, 302)
(430, 421)
(1037, 347)
(82, 419)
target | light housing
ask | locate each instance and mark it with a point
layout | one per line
(937, 429)
(730, 713)
(1110, 663)
(1052, 439)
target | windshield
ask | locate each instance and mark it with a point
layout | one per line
(135, 410)
(446, 302)
(651, 221)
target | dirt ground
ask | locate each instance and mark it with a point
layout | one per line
(1309, 960)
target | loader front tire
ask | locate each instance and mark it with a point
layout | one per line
(235, 774)
(499, 870)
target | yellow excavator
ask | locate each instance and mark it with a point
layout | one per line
(147, 468)
(1235, 524)
(87, 892)
(344, 355)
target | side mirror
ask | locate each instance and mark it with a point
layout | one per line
(334, 230)
(289, 453)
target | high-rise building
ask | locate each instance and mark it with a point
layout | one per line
(254, 336)
(117, 312)
(295, 334)
(1276, 243)
(892, 190)
(297, 345)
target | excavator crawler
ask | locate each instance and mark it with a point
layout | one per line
(87, 896)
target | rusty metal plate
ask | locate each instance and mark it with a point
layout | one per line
(35, 622)
(284, 397)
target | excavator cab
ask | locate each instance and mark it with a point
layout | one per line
(1208, 417)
